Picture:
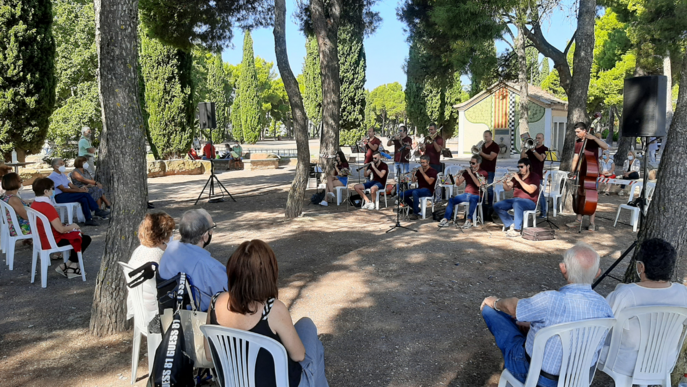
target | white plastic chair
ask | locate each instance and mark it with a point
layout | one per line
(498, 188)
(580, 341)
(68, 210)
(45, 253)
(237, 351)
(661, 335)
(526, 214)
(383, 191)
(557, 180)
(451, 170)
(9, 242)
(466, 208)
(140, 325)
(423, 201)
(340, 194)
(634, 211)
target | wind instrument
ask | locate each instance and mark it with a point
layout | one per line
(477, 148)
(505, 178)
(527, 142)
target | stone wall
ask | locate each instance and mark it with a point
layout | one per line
(159, 168)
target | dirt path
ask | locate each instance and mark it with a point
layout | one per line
(397, 309)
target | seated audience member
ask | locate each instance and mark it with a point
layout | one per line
(425, 176)
(236, 151)
(607, 167)
(209, 151)
(188, 255)
(473, 177)
(64, 235)
(12, 183)
(378, 172)
(155, 232)
(82, 178)
(525, 187)
(630, 171)
(193, 155)
(251, 304)
(573, 302)
(66, 192)
(226, 153)
(339, 177)
(4, 169)
(655, 262)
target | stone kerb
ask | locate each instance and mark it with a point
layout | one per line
(263, 161)
(159, 168)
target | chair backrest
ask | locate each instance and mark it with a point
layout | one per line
(580, 341)
(650, 188)
(137, 293)
(557, 179)
(237, 351)
(661, 334)
(5, 208)
(33, 217)
(632, 188)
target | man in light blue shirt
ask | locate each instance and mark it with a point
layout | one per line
(507, 318)
(86, 149)
(206, 274)
(66, 192)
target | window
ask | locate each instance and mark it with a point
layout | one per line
(558, 136)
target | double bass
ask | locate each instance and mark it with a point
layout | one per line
(585, 195)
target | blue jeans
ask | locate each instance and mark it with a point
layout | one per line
(543, 204)
(400, 168)
(83, 198)
(313, 364)
(511, 342)
(490, 190)
(462, 198)
(518, 205)
(412, 198)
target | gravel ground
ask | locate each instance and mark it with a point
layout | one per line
(396, 309)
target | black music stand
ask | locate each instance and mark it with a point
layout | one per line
(549, 222)
(401, 190)
(206, 119)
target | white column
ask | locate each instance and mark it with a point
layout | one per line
(547, 127)
(461, 132)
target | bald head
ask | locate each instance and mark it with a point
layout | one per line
(193, 224)
(580, 264)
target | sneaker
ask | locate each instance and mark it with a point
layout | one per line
(324, 203)
(512, 233)
(606, 193)
(369, 206)
(413, 217)
(592, 227)
(621, 193)
(467, 225)
(331, 195)
(102, 213)
(91, 222)
(574, 224)
(444, 223)
(150, 205)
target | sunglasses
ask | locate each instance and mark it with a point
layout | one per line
(473, 163)
(521, 166)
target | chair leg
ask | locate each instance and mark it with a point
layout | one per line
(617, 215)
(635, 219)
(534, 219)
(555, 205)
(45, 262)
(9, 255)
(377, 202)
(83, 271)
(154, 340)
(34, 260)
(385, 203)
(135, 351)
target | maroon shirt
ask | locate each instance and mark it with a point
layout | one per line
(400, 156)
(434, 156)
(422, 183)
(537, 166)
(592, 146)
(340, 166)
(518, 192)
(490, 165)
(382, 167)
(470, 186)
(369, 152)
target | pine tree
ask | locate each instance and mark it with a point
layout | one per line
(312, 93)
(27, 74)
(352, 65)
(219, 91)
(168, 96)
(245, 115)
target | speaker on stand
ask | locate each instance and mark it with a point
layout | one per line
(644, 115)
(207, 120)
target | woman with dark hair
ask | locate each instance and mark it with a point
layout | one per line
(70, 234)
(655, 263)
(82, 178)
(339, 178)
(12, 183)
(251, 304)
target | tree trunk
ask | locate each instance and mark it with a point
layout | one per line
(667, 214)
(294, 203)
(611, 126)
(326, 26)
(667, 71)
(523, 121)
(122, 155)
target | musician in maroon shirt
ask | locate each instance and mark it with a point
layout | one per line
(525, 187)
(474, 177)
(372, 144)
(425, 177)
(432, 147)
(593, 145)
(537, 158)
(489, 152)
(378, 172)
(402, 144)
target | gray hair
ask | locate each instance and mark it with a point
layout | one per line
(425, 157)
(193, 224)
(55, 161)
(84, 129)
(582, 263)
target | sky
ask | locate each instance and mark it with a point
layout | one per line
(387, 49)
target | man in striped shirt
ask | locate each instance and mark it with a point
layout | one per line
(507, 318)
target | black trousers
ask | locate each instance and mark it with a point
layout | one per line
(85, 241)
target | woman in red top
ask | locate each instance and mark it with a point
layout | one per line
(339, 178)
(44, 189)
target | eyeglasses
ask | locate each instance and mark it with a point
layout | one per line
(521, 166)
(214, 225)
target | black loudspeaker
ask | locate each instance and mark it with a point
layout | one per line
(206, 115)
(644, 106)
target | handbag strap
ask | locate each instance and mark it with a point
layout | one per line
(183, 287)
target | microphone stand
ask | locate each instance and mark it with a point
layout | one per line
(549, 222)
(398, 211)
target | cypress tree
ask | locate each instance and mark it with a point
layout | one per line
(533, 75)
(544, 71)
(219, 91)
(352, 77)
(168, 96)
(27, 74)
(415, 87)
(312, 93)
(245, 115)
